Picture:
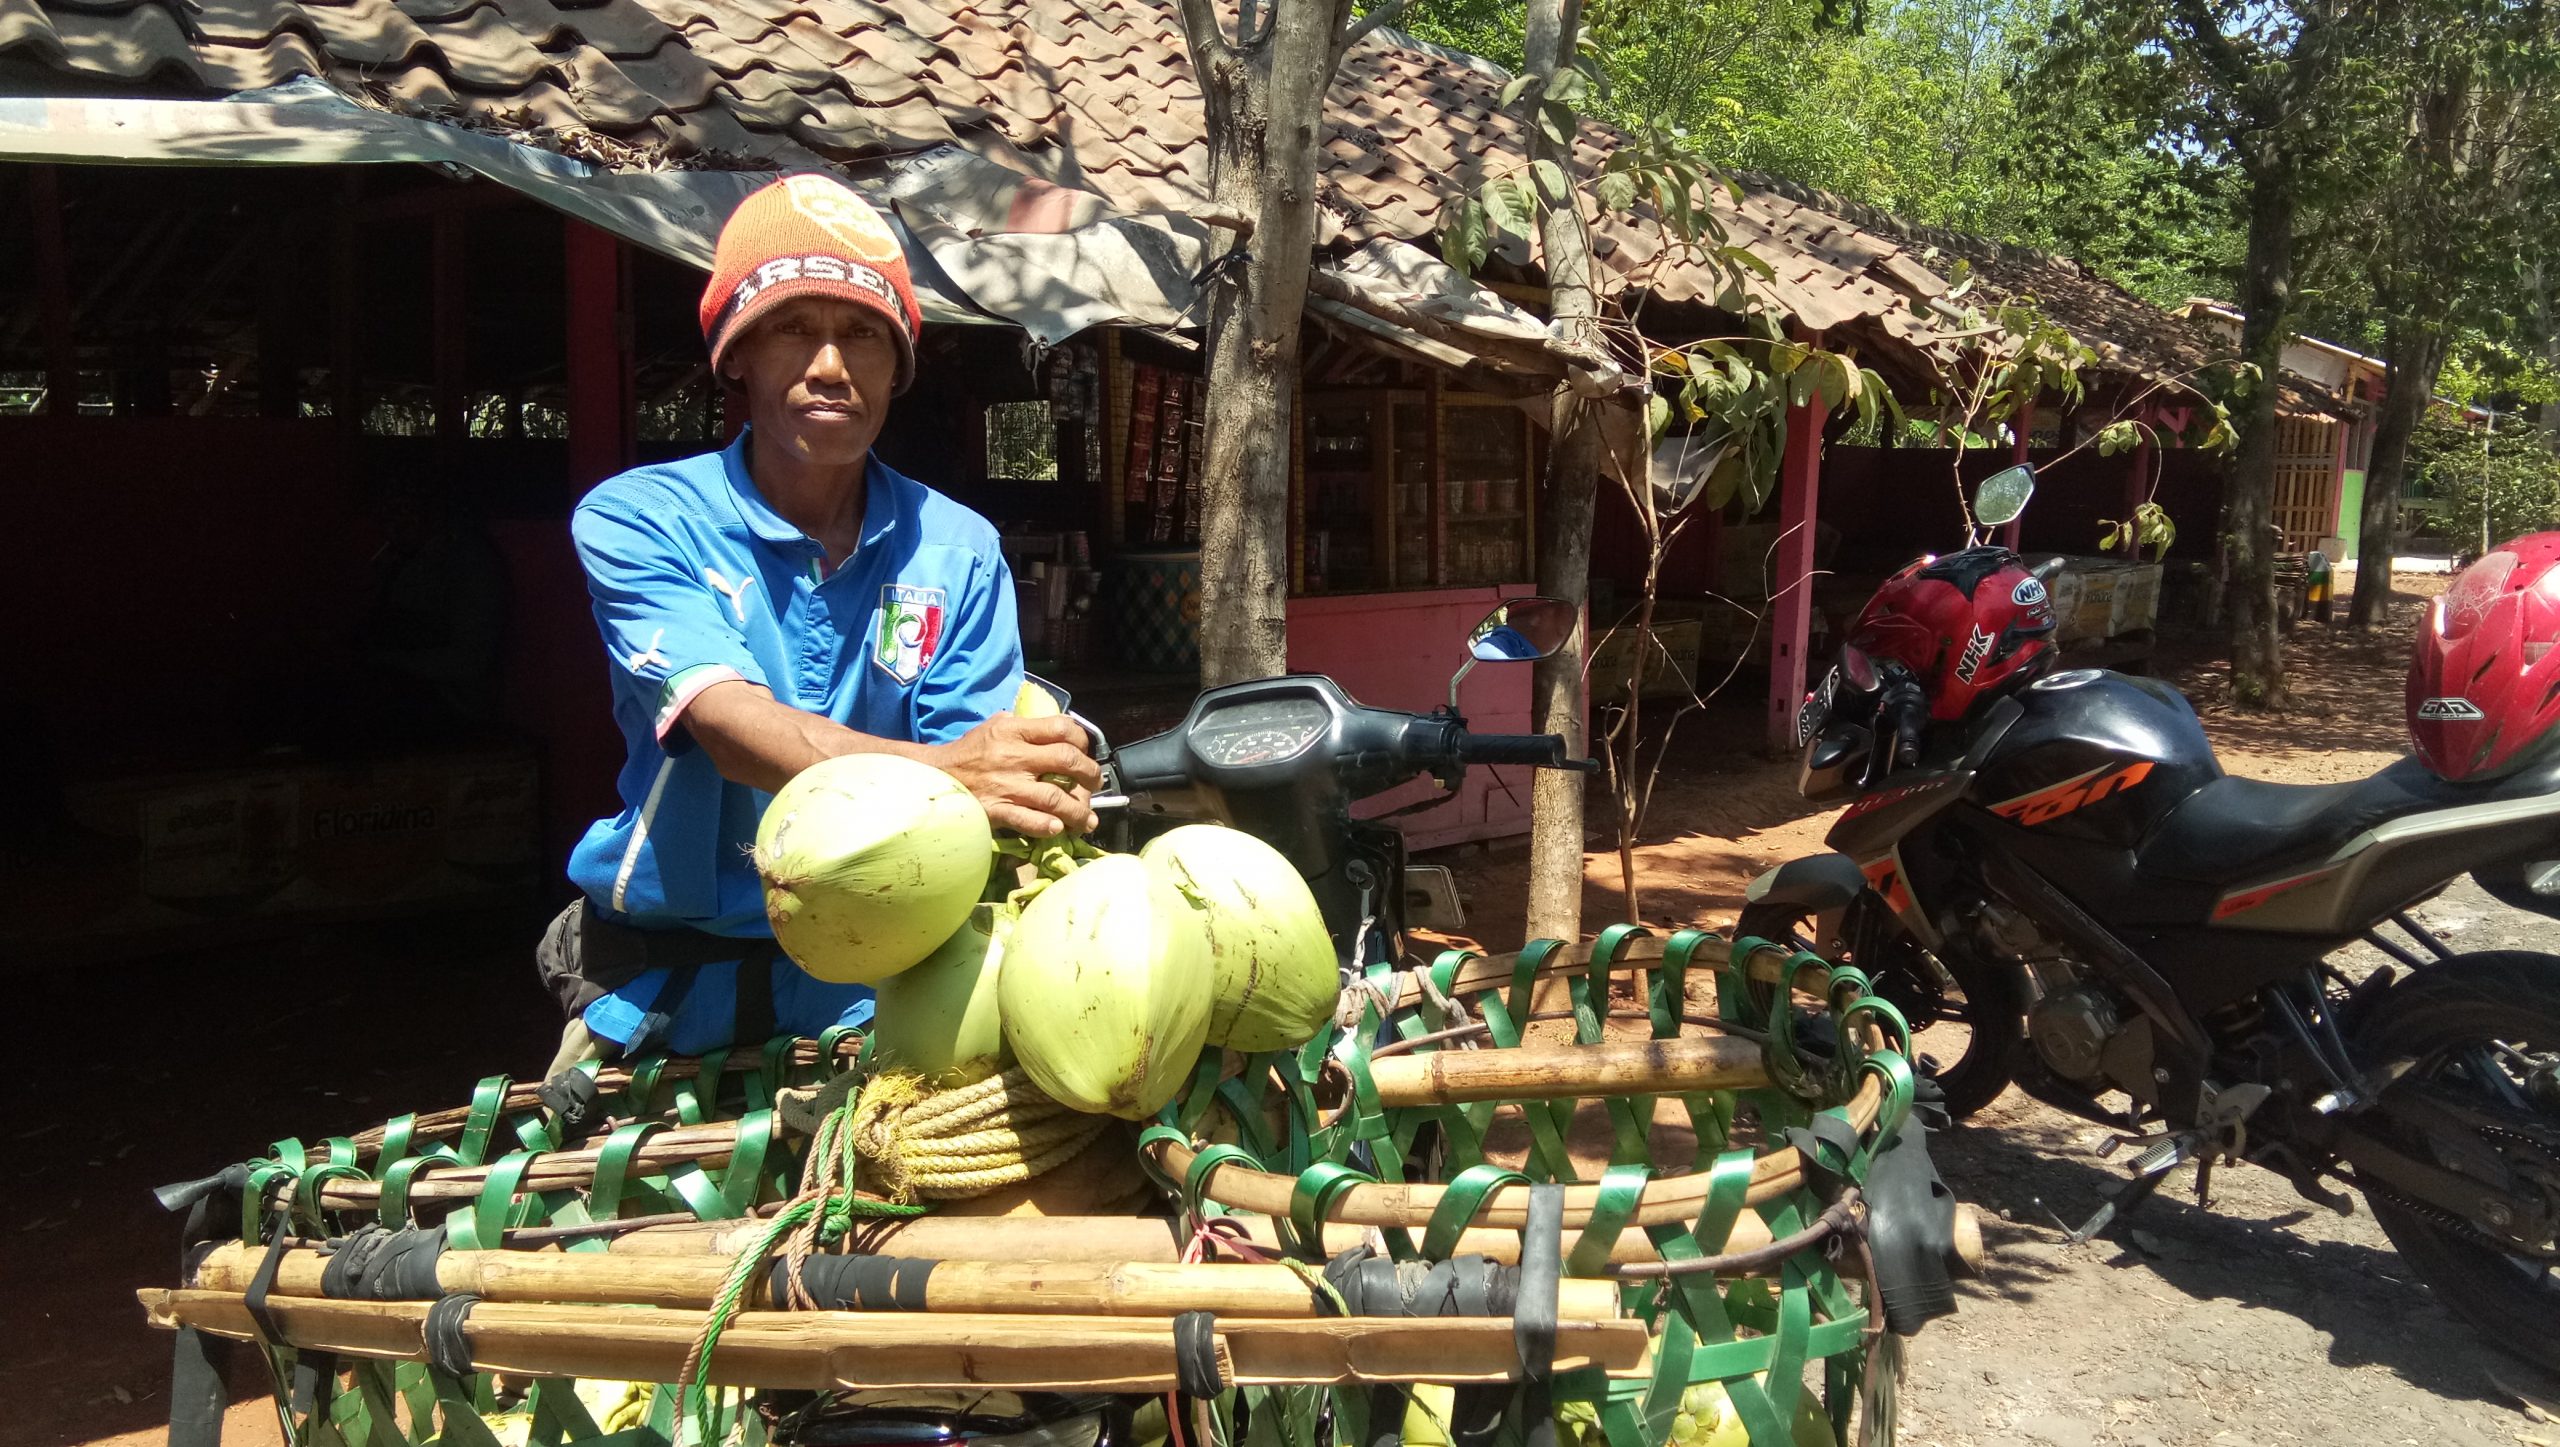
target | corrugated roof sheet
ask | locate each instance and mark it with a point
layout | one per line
(1091, 93)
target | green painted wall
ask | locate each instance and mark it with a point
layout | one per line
(2351, 508)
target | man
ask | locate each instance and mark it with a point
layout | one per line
(783, 601)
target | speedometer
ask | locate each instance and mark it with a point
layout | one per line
(1260, 731)
(1261, 746)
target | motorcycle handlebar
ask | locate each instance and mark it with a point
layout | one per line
(1538, 751)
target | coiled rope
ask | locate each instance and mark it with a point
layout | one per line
(946, 1145)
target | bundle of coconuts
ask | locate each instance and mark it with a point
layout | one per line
(1103, 978)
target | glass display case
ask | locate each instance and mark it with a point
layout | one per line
(1411, 489)
(1485, 442)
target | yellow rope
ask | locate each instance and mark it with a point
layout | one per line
(966, 1140)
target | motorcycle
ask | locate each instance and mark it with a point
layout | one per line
(2059, 885)
(1285, 759)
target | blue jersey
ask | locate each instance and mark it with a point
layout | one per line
(697, 580)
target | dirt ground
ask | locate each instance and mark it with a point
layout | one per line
(2263, 1320)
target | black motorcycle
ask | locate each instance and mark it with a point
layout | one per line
(2064, 888)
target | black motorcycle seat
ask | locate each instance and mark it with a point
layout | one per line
(2233, 828)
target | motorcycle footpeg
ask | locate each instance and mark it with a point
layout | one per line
(2165, 1155)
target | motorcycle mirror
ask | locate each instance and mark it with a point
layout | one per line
(1522, 630)
(1518, 630)
(1858, 668)
(1064, 700)
(2002, 496)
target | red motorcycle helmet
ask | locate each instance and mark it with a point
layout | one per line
(1967, 624)
(2484, 686)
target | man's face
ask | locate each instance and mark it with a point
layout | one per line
(817, 374)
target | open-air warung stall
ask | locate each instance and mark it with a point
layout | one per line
(401, 244)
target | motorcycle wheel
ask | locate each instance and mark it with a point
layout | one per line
(1964, 1017)
(2487, 1023)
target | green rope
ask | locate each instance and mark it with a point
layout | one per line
(835, 1214)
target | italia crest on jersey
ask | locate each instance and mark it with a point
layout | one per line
(907, 630)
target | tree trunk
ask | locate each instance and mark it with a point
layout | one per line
(2416, 353)
(2248, 513)
(1264, 97)
(2550, 352)
(1564, 514)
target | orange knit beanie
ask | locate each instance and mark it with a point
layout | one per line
(807, 235)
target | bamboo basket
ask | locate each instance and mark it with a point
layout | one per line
(1442, 1119)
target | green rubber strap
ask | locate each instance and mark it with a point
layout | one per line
(613, 1168)
(743, 1180)
(306, 1190)
(487, 1099)
(694, 1187)
(1192, 1105)
(1313, 1195)
(1621, 1189)
(1195, 1182)
(698, 1093)
(1785, 1381)
(393, 1209)
(397, 1134)
(642, 1093)
(483, 1225)
(775, 1072)
(1670, 990)
(1460, 1203)
(1148, 1139)
(1525, 966)
(1445, 971)
(831, 1040)
(1675, 1355)
(1591, 1004)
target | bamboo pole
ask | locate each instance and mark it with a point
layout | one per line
(1667, 1201)
(1057, 1239)
(844, 1350)
(1118, 1289)
(707, 1144)
(1570, 1072)
(526, 1094)
(1493, 972)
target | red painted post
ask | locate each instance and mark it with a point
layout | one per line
(2019, 427)
(1791, 591)
(447, 303)
(602, 417)
(53, 295)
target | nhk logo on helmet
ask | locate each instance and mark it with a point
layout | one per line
(2450, 710)
(907, 631)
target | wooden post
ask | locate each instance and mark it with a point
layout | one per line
(1791, 591)
(2338, 477)
(448, 306)
(2019, 428)
(602, 419)
(53, 294)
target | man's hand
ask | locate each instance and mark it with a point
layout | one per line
(1012, 766)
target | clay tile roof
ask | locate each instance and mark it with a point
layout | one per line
(1093, 93)
(2130, 335)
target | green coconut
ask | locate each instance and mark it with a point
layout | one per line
(1276, 980)
(870, 862)
(1104, 992)
(943, 1012)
